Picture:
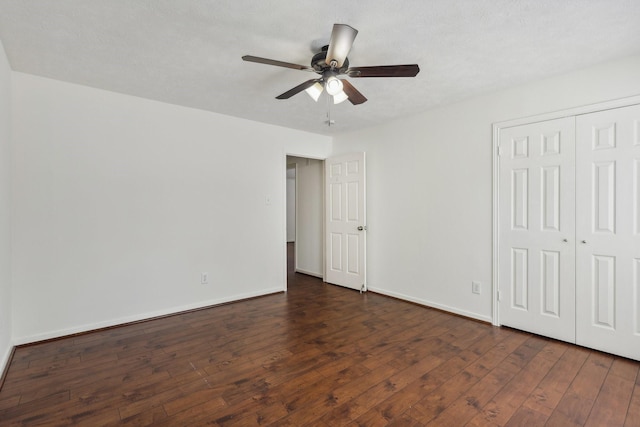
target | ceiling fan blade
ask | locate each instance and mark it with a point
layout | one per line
(306, 85)
(355, 97)
(267, 61)
(410, 70)
(342, 38)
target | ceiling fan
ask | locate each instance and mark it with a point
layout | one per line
(332, 62)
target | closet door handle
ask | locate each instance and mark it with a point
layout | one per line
(584, 241)
(565, 240)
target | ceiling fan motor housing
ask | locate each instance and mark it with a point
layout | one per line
(318, 62)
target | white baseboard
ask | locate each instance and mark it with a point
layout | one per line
(4, 362)
(432, 304)
(173, 310)
(135, 318)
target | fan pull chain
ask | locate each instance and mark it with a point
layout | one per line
(329, 122)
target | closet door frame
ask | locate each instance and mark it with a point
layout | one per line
(608, 105)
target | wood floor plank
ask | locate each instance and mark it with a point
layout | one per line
(342, 412)
(146, 418)
(611, 406)
(552, 388)
(525, 417)
(454, 384)
(633, 413)
(508, 400)
(317, 355)
(378, 397)
(575, 406)
(464, 408)
(395, 407)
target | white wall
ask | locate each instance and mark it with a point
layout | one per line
(120, 203)
(5, 225)
(310, 215)
(429, 186)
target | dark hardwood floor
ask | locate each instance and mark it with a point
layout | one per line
(318, 355)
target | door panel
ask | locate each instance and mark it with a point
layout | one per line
(537, 217)
(604, 206)
(520, 280)
(551, 198)
(550, 283)
(345, 212)
(608, 249)
(636, 196)
(520, 199)
(636, 292)
(604, 286)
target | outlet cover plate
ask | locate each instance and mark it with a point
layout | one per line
(476, 287)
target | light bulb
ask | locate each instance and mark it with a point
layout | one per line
(333, 85)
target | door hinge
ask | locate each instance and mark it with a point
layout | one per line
(500, 151)
(498, 295)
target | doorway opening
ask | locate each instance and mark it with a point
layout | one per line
(304, 216)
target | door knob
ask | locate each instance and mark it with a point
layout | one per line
(360, 228)
(584, 241)
(565, 240)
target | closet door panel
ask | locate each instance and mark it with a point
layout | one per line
(537, 226)
(607, 230)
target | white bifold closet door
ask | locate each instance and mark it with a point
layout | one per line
(537, 228)
(569, 213)
(608, 231)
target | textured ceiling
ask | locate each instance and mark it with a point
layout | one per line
(188, 52)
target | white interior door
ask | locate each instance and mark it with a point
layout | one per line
(345, 219)
(608, 231)
(537, 218)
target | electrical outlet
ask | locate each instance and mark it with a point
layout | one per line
(204, 278)
(476, 287)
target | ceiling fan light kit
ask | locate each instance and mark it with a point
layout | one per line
(332, 62)
(333, 85)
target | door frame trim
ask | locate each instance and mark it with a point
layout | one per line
(495, 164)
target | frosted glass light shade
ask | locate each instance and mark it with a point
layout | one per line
(315, 91)
(340, 97)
